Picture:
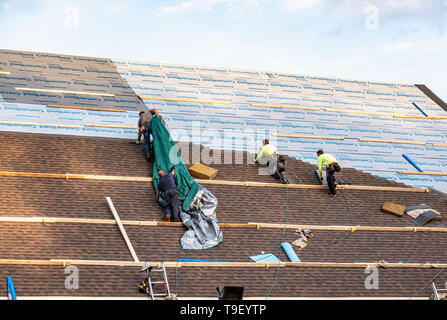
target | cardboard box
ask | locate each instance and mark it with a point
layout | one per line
(396, 209)
(201, 171)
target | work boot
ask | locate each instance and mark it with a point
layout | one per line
(168, 219)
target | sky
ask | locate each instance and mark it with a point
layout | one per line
(402, 41)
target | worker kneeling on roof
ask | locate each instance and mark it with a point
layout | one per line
(331, 164)
(267, 156)
(167, 186)
(144, 128)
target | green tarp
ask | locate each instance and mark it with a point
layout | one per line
(168, 156)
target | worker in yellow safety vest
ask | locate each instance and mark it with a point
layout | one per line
(267, 156)
(331, 164)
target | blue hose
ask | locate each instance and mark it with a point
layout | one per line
(412, 163)
(414, 104)
(288, 249)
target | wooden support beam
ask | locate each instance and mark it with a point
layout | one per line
(420, 118)
(175, 264)
(440, 145)
(308, 137)
(391, 141)
(66, 92)
(423, 173)
(69, 176)
(250, 225)
(346, 228)
(41, 124)
(286, 107)
(123, 231)
(188, 101)
(85, 108)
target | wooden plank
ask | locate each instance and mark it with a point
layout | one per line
(250, 225)
(188, 101)
(104, 177)
(391, 141)
(65, 92)
(175, 264)
(421, 118)
(85, 108)
(69, 176)
(423, 173)
(285, 107)
(32, 175)
(440, 145)
(308, 137)
(5, 73)
(123, 231)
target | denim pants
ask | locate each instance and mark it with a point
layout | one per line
(147, 142)
(173, 207)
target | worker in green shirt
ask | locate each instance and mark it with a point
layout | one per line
(267, 155)
(331, 165)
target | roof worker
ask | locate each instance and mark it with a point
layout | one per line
(267, 156)
(167, 186)
(331, 164)
(144, 129)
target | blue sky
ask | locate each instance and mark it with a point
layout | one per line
(382, 40)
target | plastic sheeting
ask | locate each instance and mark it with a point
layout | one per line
(201, 220)
(197, 203)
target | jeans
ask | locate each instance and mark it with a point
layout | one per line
(331, 181)
(330, 170)
(147, 142)
(173, 207)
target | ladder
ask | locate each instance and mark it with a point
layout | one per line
(439, 294)
(149, 284)
(11, 290)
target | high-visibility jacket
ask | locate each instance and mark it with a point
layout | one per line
(324, 160)
(266, 151)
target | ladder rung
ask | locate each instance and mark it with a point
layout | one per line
(158, 270)
(155, 282)
(159, 294)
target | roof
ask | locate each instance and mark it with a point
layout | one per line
(64, 152)
(49, 197)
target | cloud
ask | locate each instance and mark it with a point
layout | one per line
(116, 8)
(234, 7)
(294, 6)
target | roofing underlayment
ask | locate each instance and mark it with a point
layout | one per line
(64, 151)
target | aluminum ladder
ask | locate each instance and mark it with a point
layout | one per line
(437, 291)
(150, 282)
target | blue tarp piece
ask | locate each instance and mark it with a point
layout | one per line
(269, 257)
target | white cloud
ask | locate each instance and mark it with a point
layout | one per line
(117, 8)
(234, 7)
(294, 6)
